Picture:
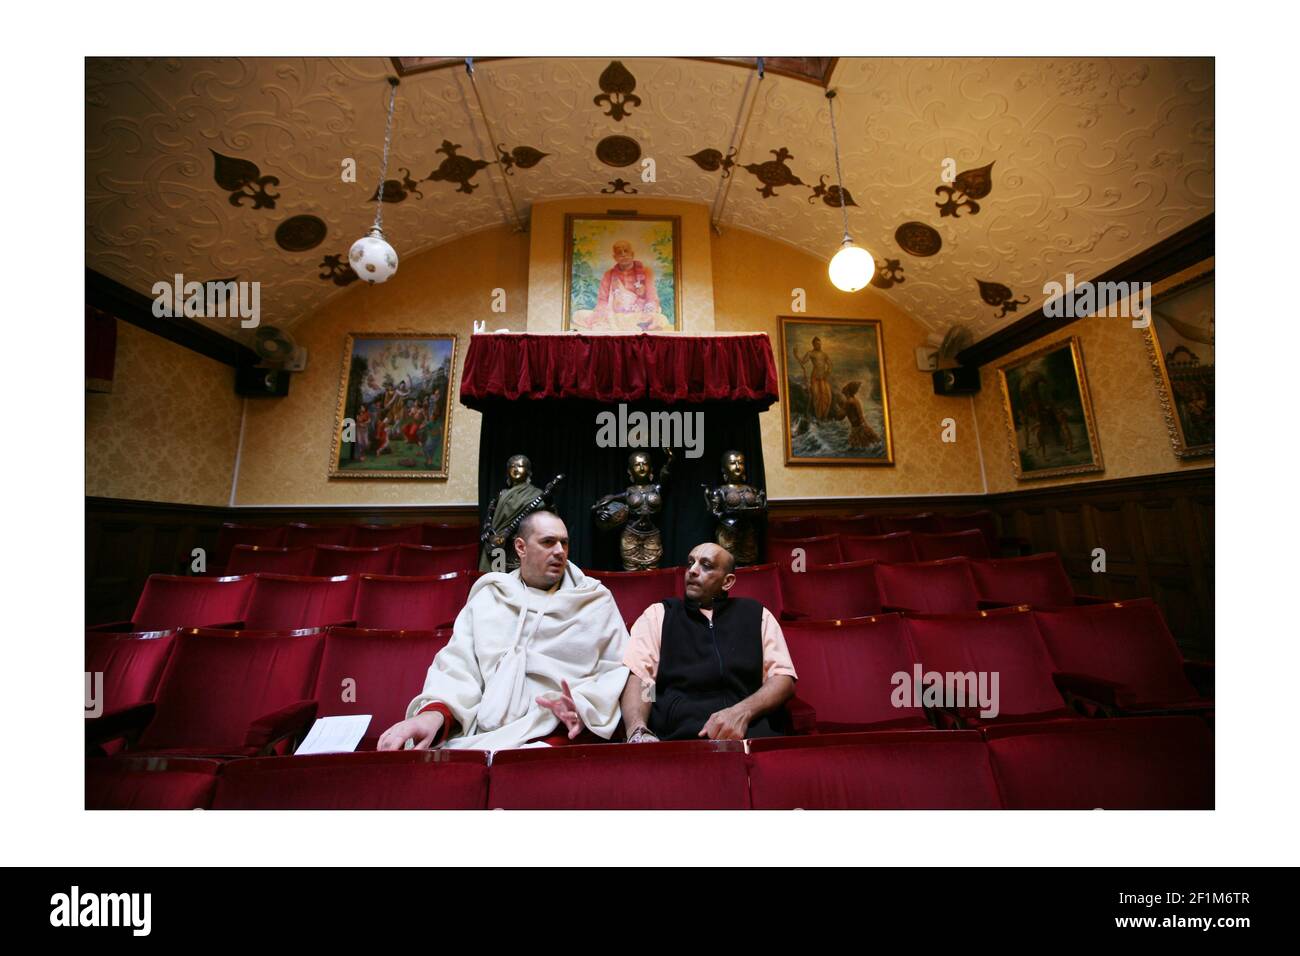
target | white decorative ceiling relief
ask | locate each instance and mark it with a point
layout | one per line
(1061, 166)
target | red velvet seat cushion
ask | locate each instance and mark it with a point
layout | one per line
(150, 783)
(831, 591)
(393, 780)
(634, 591)
(982, 521)
(309, 535)
(893, 548)
(842, 525)
(382, 535)
(424, 561)
(281, 601)
(1037, 579)
(762, 583)
(674, 775)
(950, 544)
(900, 770)
(921, 522)
(821, 549)
(928, 587)
(249, 558)
(131, 663)
(1135, 763)
(170, 600)
(331, 560)
(449, 535)
(409, 603)
(231, 534)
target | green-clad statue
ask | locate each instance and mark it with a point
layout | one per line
(516, 501)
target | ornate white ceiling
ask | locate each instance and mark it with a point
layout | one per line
(1093, 160)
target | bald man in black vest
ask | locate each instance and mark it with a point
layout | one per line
(710, 666)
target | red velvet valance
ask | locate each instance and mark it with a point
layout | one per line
(619, 368)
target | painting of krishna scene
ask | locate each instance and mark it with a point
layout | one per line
(394, 413)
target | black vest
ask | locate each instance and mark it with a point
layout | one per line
(707, 666)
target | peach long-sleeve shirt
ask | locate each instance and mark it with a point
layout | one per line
(642, 654)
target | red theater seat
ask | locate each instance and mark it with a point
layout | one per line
(397, 780)
(1005, 642)
(1137, 763)
(409, 603)
(899, 770)
(1036, 579)
(928, 587)
(922, 522)
(981, 521)
(231, 534)
(831, 591)
(450, 535)
(150, 783)
(1128, 648)
(376, 672)
(249, 558)
(310, 535)
(760, 582)
(673, 775)
(131, 663)
(425, 561)
(893, 548)
(823, 549)
(382, 535)
(950, 544)
(800, 526)
(846, 671)
(851, 524)
(333, 559)
(634, 591)
(281, 601)
(172, 600)
(236, 693)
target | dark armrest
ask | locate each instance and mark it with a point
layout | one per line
(1201, 676)
(270, 729)
(128, 724)
(803, 718)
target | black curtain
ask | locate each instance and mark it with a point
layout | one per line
(560, 436)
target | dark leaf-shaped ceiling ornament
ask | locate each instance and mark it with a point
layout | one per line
(243, 180)
(525, 157)
(396, 190)
(889, 273)
(970, 185)
(337, 270)
(617, 84)
(996, 294)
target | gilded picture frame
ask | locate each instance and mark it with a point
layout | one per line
(1047, 405)
(396, 394)
(622, 273)
(1180, 349)
(836, 403)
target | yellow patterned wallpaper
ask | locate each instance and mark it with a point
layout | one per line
(1130, 425)
(169, 429)
(287, 440)
(753, 281)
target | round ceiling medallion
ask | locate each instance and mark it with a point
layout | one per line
(300, 233)
(618, 151)
(918, 239)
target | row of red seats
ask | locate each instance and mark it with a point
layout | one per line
(301, 535)
(895, 546)
(327, 560)
(1143, 763)
(806, 526)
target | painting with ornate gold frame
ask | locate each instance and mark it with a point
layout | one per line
(622, 273)
(393, 416)
(1180, 348)
(1051, 428)
(836, 408)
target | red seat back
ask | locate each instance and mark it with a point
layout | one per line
(376, 672)
(634, 591)
(450, 535)
(928, 587)
(131, 663)
(902, 770)
(310, 535)
(333, 559)
(831, 591)
(822, 549)
(1004, 642)
(287, 601)
(847, 524)
(217, 683)
(409, 603)
(171, 600)
(895, 547)
(150, 783)
(382, 535)
(847, 668)
(1134, 763)
(673, 775)
(400, 780)
(950, 544)
(981, 521)
(1037, 579)
(250, 558)
(799, 526)
(231, 534)
(425, 561)
(1127, 643)
(921, 522)
(760, 582)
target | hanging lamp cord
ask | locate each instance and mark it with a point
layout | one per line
(839, 173)
(383, 169)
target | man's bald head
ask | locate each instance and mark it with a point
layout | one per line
(542, 543)
(710, 573)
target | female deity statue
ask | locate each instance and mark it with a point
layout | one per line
(634, 510)
(738, 507)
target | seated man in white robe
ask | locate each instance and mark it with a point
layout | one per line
(533, 649)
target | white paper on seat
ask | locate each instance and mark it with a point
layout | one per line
(334, 735)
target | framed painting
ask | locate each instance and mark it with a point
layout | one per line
(836, 398)
(622, 273)
(393, 418)
(1180, 346)
(1049, 413)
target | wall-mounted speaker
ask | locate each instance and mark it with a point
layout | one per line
(962, 380)
(254, 382)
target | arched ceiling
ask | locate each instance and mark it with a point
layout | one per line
(1062, 165)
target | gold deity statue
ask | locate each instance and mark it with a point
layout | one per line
(738, 507)
(517, 500)
(633, 510)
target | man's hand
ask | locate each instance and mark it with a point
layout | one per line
(422, 728)
(729, 724)
(564, 709)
